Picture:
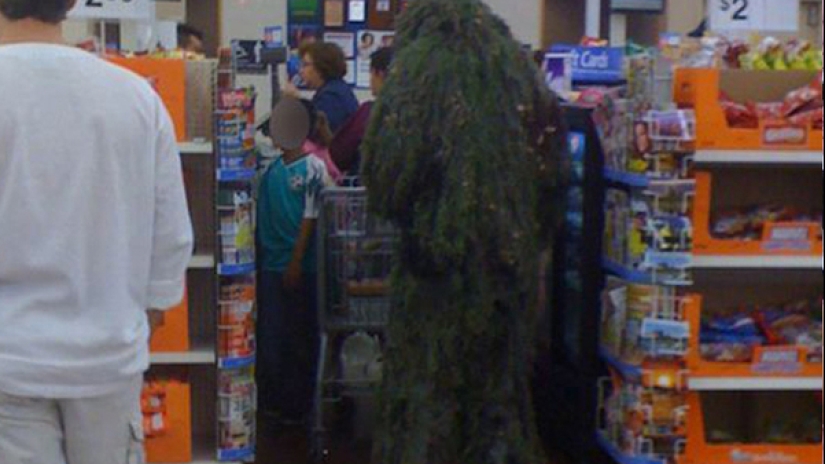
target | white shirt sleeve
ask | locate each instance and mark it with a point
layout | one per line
(172, 242)
(317, 179)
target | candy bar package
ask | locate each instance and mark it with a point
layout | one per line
(732, 336)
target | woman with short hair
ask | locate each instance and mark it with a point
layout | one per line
(323, 67)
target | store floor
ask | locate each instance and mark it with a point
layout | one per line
(278, 446)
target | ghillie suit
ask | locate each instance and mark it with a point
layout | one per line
(464, 155)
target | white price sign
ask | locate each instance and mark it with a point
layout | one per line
(113, 9)
(754, 15)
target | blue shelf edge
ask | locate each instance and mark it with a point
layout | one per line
(617, 455)
(235, 269)
(245, 454)
(235, 174)
(636, 277)
(627, 371)
(626, 178)
(236, 363)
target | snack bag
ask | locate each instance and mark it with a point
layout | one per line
(798, 99)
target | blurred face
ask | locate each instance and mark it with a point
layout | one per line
(377, 81)
(310, 74)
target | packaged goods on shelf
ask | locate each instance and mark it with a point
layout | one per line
(758, 53)
(236, 218)
(800, 107)
(771, 53)
(733, 336)
(643, 423)
(751, 223)
(237, 408)
(236, 325)
(756, 341)
(167, 420)
(649, 231)
(788, 222)
(728, 105)
(643, 322)
(235, 123)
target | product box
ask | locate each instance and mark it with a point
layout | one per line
(167, 408)
(173, 335)
(705, 89)
(168, 77)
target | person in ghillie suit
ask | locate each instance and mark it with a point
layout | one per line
(465, 156)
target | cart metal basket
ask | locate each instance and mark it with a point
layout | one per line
(355, 253)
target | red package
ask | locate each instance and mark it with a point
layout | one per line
(812, 117)
(768, 111)
(799, 98)
(740, 116)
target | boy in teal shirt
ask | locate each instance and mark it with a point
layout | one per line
(288, 208)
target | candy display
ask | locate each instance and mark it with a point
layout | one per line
(771, 53)
(801, 107)
(731, 336)
(768, 53)
(749, 223)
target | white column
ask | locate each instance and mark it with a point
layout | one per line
(618, 30)
(593, 18)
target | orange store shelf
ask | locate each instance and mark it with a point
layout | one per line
(699, 451)
(701, 89)
(707, 245)
(700, 368)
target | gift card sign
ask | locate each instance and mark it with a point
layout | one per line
(594, 64)
(113, 9)
(754, 15)
(558, 72)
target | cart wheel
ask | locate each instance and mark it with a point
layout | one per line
(320, 453)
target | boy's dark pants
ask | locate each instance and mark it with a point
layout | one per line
(288, 343)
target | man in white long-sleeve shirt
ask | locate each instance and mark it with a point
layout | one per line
(94, 235)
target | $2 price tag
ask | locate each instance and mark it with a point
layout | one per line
(754, 15)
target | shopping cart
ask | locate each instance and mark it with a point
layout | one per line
(355, 253)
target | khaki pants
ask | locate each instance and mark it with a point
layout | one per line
(104, 430)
